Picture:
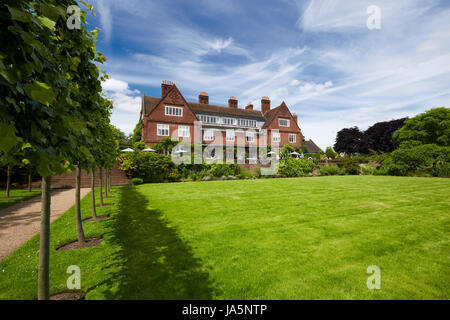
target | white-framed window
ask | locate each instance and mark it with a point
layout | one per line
(229, 121)
(208, 119)
(183, 131)
(230, 135)
(250, 136)
(208, 135)
(253, 153)
(276, 137)
(162, 130)
(292, 138)
(174, 111)
(247, 123)
(283, 122)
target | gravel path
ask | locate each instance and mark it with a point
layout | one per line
(21, 221)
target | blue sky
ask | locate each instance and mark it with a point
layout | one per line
(318, 56)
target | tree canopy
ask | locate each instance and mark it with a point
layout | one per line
(430, 127)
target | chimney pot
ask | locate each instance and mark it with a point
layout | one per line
(233, 102)
(203, 98)
(265, 104)
(166, 85)
(249, 106)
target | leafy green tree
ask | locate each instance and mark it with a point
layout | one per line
(165, 145)
(430, 127)
(329, 152)
(45, 69)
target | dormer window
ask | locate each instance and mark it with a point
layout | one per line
(283, 122)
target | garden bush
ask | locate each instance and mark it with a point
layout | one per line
(149, 166)
(330, 171)
(290, 167)
(219, 170)
(425, 159)
(350, 165)
(136, 181)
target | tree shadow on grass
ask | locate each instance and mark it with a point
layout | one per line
(153, 262)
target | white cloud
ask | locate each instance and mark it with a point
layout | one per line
(315, 87)
(127, 103)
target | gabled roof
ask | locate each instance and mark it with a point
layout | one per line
(150, 103)
(312, 147)
(269, 116)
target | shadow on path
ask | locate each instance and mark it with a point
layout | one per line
(153, 262)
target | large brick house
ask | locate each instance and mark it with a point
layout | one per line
(171, 112)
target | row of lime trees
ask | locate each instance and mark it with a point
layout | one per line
(53, 114)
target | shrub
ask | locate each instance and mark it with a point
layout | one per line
(219, 170)
(246, 174)
(136, 181)
(350, 165)
(425, 159)
(330, 171)
(149, 166)
(329, 152)
(290, 167)
(174, 176)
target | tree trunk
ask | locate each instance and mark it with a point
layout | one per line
(109, 181)
(8, 181)
(94, 211)
(44, 250)
(80, 231)
(106, 183)
(30, 172)
(101, 185)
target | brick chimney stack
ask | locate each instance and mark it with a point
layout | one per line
(203, 98)
(232, 102)
(165, 86)
(295, 117)
(265, 104)
(249, 106)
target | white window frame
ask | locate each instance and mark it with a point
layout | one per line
(249, 134)
(209, 137)
(276, 137)
(208, 119)
(287, 122)
(294, 136)
(184, 132)
(161, 128)
(173, 111)
(231, 121)
(230, 135)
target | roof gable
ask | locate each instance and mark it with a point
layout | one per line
(172, 96)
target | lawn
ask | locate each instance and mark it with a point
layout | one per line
(306, 238)
(16, 196)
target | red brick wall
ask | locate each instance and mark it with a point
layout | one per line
(174, 98)
(284, 113)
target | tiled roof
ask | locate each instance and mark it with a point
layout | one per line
(151, 102)
(312, 147)
(227, 111)
(269, 116)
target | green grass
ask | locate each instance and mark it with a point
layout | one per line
(307, 238)
(16, 196)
